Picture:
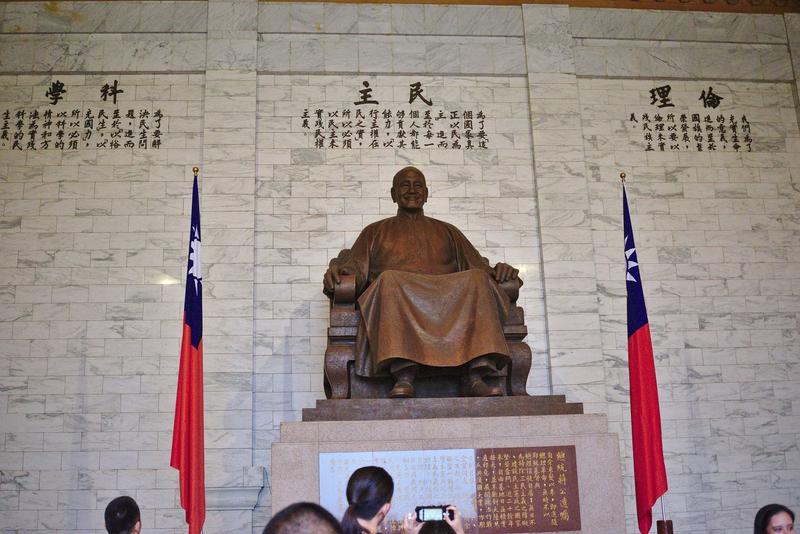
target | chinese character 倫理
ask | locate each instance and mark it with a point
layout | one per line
(660, 95)
(710, 99)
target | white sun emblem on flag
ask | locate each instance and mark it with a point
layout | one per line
(194, 257)
(631, 263)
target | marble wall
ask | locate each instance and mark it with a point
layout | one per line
(92, 238)
(717, 242)
(93, 256)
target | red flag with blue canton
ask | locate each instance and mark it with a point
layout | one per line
(649, 473)
(187, 433)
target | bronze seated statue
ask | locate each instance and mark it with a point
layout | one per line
(417, 311)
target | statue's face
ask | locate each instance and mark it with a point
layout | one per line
(409, 190)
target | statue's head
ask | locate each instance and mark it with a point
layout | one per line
(409, 190)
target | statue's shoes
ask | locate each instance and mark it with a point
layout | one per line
(479, 388)
(402, 390)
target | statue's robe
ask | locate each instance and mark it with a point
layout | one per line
(426, 296)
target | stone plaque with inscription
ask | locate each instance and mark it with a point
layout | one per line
(529, 489)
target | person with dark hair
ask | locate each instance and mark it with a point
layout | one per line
(448, 526)
(303, 518)
(122, 516)
(369, 499)
(774, 519)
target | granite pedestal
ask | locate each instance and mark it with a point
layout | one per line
(295, 457)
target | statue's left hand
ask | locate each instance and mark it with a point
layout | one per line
(503, 272)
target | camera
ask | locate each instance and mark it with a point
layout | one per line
(433, 513)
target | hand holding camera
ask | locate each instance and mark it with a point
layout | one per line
(433, 513)
(433, 517)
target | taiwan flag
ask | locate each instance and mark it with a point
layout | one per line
(187, 433)
(650, 476)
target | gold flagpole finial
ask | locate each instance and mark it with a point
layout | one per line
(622, 177)
(196, 171)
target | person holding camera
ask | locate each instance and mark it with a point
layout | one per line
(450, 523)
(369, 498)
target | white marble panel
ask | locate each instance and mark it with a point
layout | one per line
(159, 17)
(374, 56)
(88, 16)
(340, 18)
(189, 16)
(550, 58)
(273, 53)
(610, 57)
(273, 17)
(793, 31)
(508, 58)
(232, 16)
(388, 54)
(340, 55)
(19, 17)
(411, 58)
(442, 57)
(15, 54)
(408, 19)
(374, 19)
(305, 17)
(231, 50)
(724, 27)
(120, 17)
(770, 28)
(677, 26)
(489, 20)
(601, 23)
(306, 55)
(440, 20)
(65, 52)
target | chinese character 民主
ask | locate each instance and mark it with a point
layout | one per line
(416, 92)
(366, 94)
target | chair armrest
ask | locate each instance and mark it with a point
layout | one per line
(345, 291)
(511, 288)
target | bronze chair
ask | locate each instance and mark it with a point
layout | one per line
(341, 381)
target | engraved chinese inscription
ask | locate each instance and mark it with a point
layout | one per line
(532, 489)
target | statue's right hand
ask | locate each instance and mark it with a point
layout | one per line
(332, 276)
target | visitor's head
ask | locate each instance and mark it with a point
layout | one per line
(436, 527)
(409, 190)
(774, 519)
(303, 517)
(122, 516)
(369, 499)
